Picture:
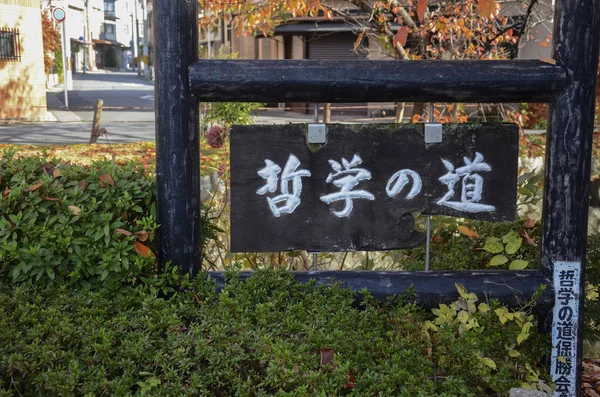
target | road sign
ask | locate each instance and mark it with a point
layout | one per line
(59, 14)
(358, 191)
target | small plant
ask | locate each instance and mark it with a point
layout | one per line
(505, 249)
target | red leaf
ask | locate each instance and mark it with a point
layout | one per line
(46, 198)
(142, 235)
(143, 250)
(486, 7)
(122, 231)
(33, 187)
(351, 382)
(421, 8)
(326, 357)
(401, 36)
(106, 180)
(48, 168)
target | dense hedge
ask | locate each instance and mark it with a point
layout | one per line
(85, 224)
(79, 312)
(267, 336)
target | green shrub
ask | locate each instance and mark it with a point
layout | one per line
(266, 336)
(76, 223)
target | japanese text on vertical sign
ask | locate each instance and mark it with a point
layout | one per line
(564, 327)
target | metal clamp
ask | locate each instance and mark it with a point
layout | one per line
(317, 133)
(433, 133)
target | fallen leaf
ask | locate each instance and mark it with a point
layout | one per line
(468, 232)
(326, 357)
(46, 198)
(106, 180)
(401, 36)
(142, 249)
(548, 60)
(33, 187)
(486, 7)
(358, 41)
(142, 235)
(123, 231)
(75, 210)
(351, 382)
(421, 8)
(48, 168)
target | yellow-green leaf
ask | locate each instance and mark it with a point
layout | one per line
(522, 337)
(498, 260)
(513, 244)
(493, 245)
(489, 362)
(518, 264)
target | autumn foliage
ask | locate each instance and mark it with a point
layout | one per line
(464, 29)
(50, 39)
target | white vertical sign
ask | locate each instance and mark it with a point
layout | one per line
(567, 276)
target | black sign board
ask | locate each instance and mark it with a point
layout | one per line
(357, 191)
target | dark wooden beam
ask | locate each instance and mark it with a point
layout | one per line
(177, 135)
(512, 288)
(569, 146)
(376, 81)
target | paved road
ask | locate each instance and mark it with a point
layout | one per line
(124, 90)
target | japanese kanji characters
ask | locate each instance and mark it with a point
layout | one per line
(564, 329)
(348, 175)
(472, 185)
(347, 178)
(290, 200)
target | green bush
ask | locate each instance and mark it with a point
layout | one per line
(77, 223)
(266, 336)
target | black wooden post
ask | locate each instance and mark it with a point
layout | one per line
(177, 135)
(569, 145)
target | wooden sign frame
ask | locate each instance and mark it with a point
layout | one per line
(568, 83)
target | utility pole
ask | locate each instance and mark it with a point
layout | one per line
(87, 38)
(145, 69)
(140, 63)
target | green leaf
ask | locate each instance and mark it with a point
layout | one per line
(518, 264)
(493, 245)
(498, 260)
(489, 362)
(513, 242)
(522, 337)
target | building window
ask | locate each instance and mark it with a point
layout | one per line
(9, 45)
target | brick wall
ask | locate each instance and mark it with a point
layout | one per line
(22, 82)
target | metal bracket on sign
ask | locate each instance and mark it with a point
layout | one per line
(317, 133)
(433, 133)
